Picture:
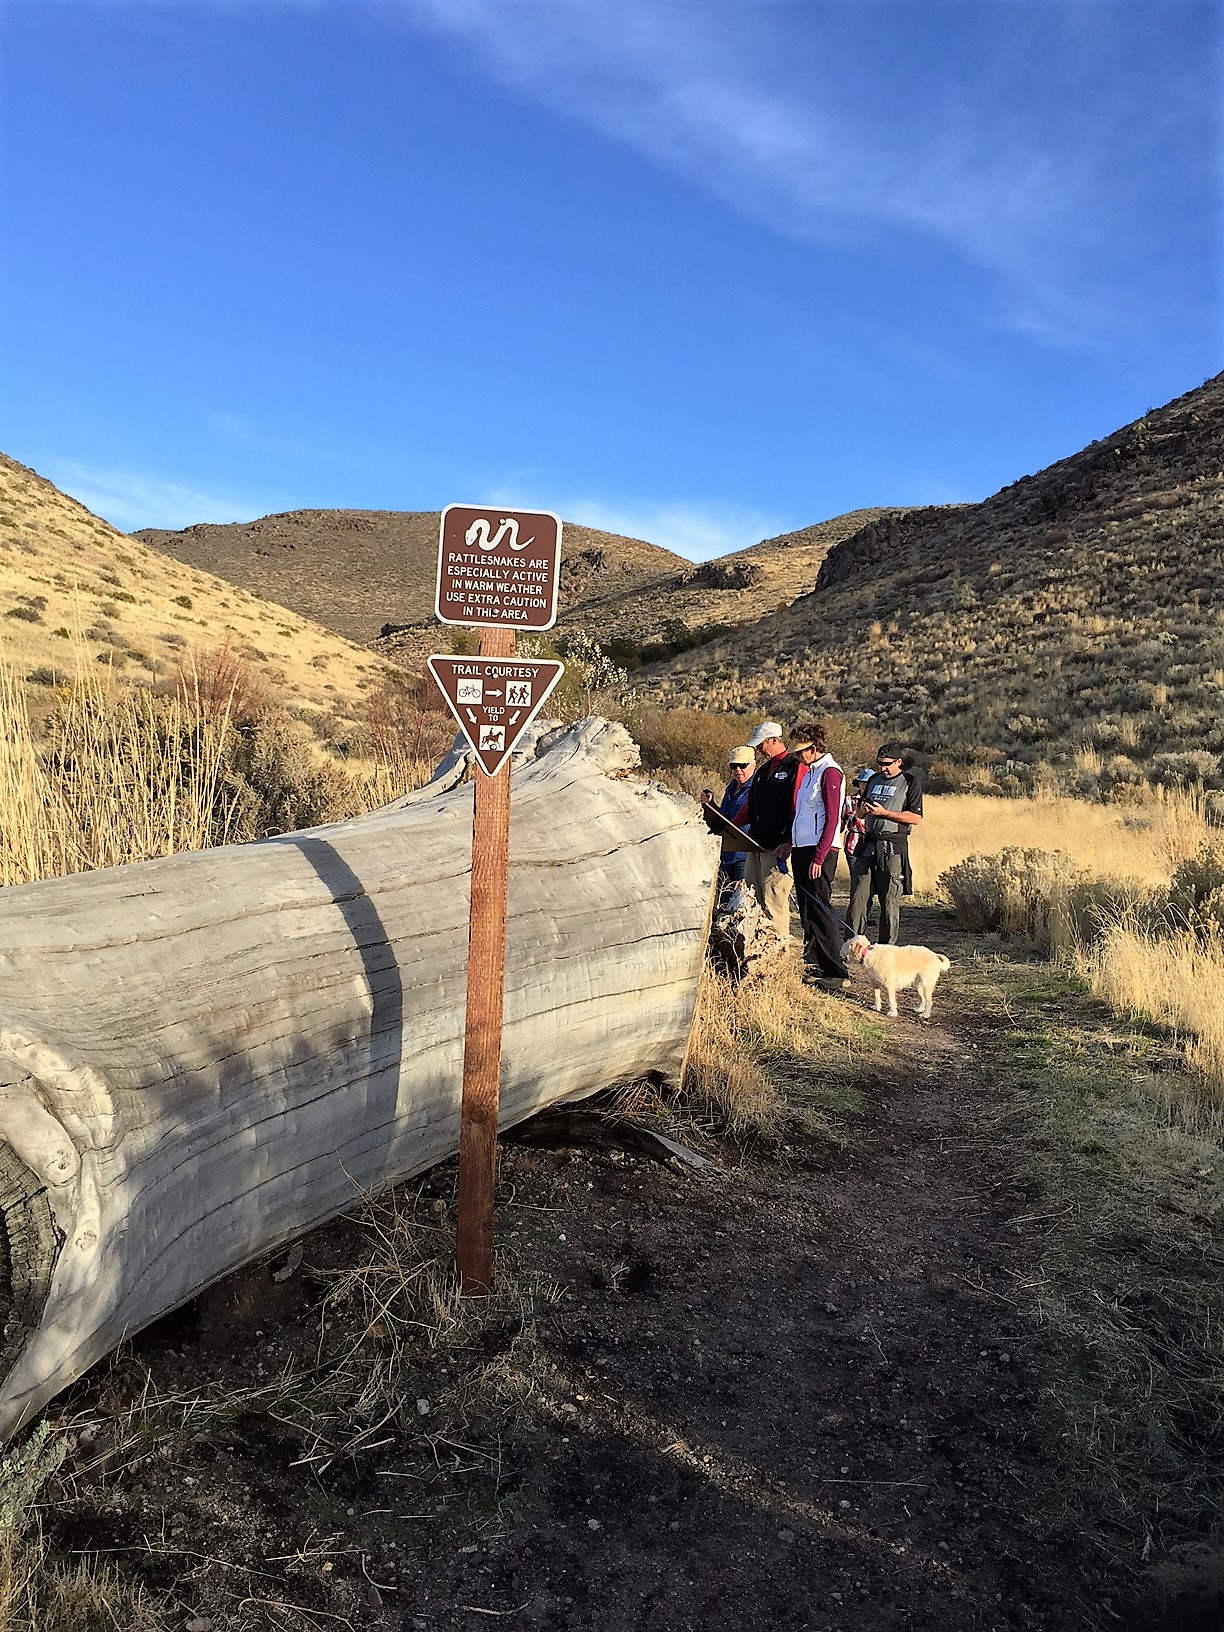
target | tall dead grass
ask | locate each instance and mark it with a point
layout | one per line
(123, 773)
(1144, 842)
(746, 1036)
(721, 1076)
(124, 776)
(1128, 899)
(1176, 981)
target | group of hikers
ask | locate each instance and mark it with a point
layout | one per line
(794, 804)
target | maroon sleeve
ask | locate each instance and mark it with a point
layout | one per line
(831, 785)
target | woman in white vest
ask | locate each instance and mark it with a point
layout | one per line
(815, 846)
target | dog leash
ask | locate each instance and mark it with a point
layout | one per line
(835, 916)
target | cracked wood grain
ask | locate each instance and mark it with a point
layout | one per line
(203, 1056)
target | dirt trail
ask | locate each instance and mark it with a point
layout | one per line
(809, 1401)
(797, 1392)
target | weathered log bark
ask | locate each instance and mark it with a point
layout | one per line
(203, 1056)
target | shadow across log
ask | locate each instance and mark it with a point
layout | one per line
(201, 1057)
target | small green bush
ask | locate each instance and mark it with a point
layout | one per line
(279, 785)
(184, 601)
(671, 737)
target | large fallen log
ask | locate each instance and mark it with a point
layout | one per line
(203, 1056)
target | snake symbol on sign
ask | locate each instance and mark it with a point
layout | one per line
(481, 533)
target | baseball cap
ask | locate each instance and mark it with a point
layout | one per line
(769, 728)
(890, 750)
(865, 775)
(742, 756)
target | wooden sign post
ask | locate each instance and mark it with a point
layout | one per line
(497, 570)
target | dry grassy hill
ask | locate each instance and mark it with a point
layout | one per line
(1076, 616)
(65, 572)
(687, 608)
(357, 571)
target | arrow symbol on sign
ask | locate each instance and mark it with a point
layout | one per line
(513, 720)
(471, 716)
(491, 693)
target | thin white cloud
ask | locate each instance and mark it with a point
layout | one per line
(698, 531)
(801, 116)
(129, 501)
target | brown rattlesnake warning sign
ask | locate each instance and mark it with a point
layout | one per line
(498, 568)
(494, 699)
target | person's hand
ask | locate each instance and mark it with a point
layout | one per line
(814, 869)
(783, 851)
(878, 810)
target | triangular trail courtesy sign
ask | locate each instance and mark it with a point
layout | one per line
(494, 699)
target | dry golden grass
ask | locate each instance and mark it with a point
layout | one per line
(63, 570)
(1177, 981)
(124, 791)
(720, 1074)
(37, 1595)
(124, 775)
(1108, 919)
(741, 1031)
(1142, 842)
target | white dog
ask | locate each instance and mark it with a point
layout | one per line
(891, 969)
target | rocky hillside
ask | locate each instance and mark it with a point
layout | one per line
(361, 572)
(70, 582)
(1076, 617)
(357, 571)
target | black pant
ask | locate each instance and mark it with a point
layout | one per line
(823, 936)
(877, 870)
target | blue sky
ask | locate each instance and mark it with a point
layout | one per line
(696, 271)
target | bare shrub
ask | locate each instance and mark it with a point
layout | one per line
(218, 683)
(593, 682)
(671, 737)
(407, 730)
(281, 783)
(1041, 897)
(1196, 895)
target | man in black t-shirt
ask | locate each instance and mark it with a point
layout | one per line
(892, 805)
(771, 810)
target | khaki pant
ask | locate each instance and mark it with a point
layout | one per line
(771, 888)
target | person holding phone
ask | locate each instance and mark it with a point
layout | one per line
(892, 807)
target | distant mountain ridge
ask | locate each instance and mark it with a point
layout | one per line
(1070, 618)
(358, 571)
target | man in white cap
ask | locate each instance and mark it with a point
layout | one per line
(771, 813)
